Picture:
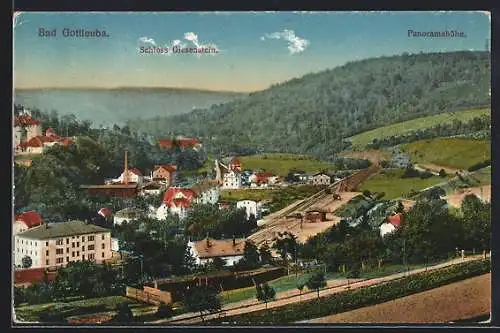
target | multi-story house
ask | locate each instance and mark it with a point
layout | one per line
(164, 173)
(25, 221)
(251, 208)
(232, 180)
(57, 244)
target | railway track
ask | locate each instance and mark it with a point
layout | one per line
(344, 185)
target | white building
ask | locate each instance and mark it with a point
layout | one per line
(251, 207)
(393, 222)
(127, 215)
(134, 176)
(232, 180)
(152, 188)
(321, 179)
(57, 244)
(229, 250)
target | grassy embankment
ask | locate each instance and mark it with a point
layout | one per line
(361, 140)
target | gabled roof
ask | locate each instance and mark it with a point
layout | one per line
(61, 229)
(167, 167)
(25, 120)
(219, 248)
(38, 141)
(30, 219)
(321, 173)
(177, 197)
(395, 220)
(105, 212)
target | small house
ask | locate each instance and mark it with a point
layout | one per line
(229, 250)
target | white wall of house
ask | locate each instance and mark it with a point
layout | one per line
(251, 207)
(321, 180)
(132, 178)
(34, 150)
(115, 244)
(230, 260)
(210, 196)
(61, 251)
(231, 180)
(120, 220)
(163, 211)
(18, 227)
(386, 228)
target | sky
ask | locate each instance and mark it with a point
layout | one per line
(255, 50)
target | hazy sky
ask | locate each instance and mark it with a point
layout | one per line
(256, 49)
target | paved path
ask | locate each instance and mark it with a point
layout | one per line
(288, 297)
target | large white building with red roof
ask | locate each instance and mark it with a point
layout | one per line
(178, 200)
(135, 176)
(393, 222)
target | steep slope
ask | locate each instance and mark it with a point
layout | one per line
(314, 113)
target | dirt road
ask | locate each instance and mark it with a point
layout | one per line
(235, 309)
(482, 192)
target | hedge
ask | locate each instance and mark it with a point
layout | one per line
(357, 298)
(479, 165)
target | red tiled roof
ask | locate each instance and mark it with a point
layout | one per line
(167, 167)
(30, 219)
(395, 220)
(105, 212)
(50, 132)
(262, 177)
(181, 142)
(31, 275)
(135, 171)
(169, 198)
(25, 120)
(38, 141)
(235, 161)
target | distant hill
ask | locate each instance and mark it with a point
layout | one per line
(115, 106)
(314, 113)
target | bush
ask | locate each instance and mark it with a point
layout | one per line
(479, 165)
(442, 173)
(357, 298)
(367, 193)
(164, 311)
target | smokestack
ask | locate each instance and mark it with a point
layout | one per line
(125, 172)
(234, 240)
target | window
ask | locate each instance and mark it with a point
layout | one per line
(22, 241)
(91, 256)
(103, 246)
(59, 242)
(47, 262)
(102, 236)
(90, 247)
(46, 243)
(67, 250)
(91, 238)
(77, 244)
(72, 244)
(31, 243)
(83, 256)
(102, 254)
(83, 248)
(72, 237)
(59, 251)
(73, 253)
(35, 244)
(59, 260)
(47, 252)
(67, 259)
(67, 241)
(77, 253)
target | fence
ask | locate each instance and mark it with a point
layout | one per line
(149, 295)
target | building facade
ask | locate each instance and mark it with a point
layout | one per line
(231, 180)
(251, 208)
(321, 179)
(165, 173)
(205, 251)
(57, 244)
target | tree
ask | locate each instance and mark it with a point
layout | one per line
(300, 288)
(164, 311)
(265, 254)
(285, 244)
(202, 299)
(265, 293)
(218, 263)
(123, 313)
(442, 173)
(400, 207)
(251, 254)
(27, 262)
(316, 282)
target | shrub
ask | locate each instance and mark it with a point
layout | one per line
(479, 165)
(164, 311)
(442, 173)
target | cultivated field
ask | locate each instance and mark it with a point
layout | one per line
(410, 126)
(457, 301)
(280, 164)
(482, 192)
(390, 182)
(452, 153)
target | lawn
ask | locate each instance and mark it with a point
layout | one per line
(81, 307)
(248, 194)
(453, 153)
(280, 164)
(407, 127)
(390, 182)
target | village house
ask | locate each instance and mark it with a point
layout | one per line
(251, 208)
(152, 188)
(164, 173)
(321, 178)
(261, 179)
(135, 176)
(229, 250)
(233, 163)
(178, 200)
(232, 180)
(392, 222)
(25, 221)
(57, 244)
(105, 212)
(180, 142)
(127, 215)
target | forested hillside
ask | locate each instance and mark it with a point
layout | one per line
(313, 114)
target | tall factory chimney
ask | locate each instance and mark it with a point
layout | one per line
(125, 172)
